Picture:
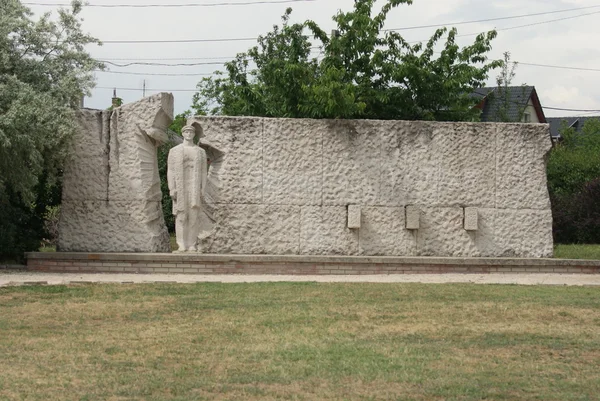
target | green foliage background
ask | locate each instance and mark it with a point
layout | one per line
(362, 72)
(573, 171)
(44, 72)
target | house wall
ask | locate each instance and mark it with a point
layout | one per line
(286, 186)
(532, 112)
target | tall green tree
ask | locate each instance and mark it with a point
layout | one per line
(505, 103)
(44, 72)
(362, 72)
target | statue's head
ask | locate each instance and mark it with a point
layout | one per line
(191, 131)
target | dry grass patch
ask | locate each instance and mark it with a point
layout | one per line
(299, 342)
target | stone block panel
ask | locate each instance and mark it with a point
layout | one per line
(133, 152)
(89, 226)
(354, 216)
(324, 231)
(293, 161)
(254, 229)
(86, 171)
(471, 219)
(413, 217)
(442, 234)
(383, 233)
(352, 162)
(521, 151)
(523, 233)
(410, 166)
(466, 162)
(241, 171)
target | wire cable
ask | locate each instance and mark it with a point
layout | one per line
(488, 19)
(255, 38)
(558, 66)
(162, 64)
(519, 26)
(224, 4)
(166, 74)
(147, 89)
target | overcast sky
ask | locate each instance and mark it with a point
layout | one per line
(571, 42)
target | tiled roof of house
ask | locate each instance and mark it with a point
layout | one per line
(516, 101)
(575, 122)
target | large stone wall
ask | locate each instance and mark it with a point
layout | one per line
(111, 189)
(284, 186)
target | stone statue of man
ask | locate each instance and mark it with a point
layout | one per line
(186, 175)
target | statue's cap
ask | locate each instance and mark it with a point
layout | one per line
(194, 126)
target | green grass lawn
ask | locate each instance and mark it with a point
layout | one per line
(577, 251)
(299, 342)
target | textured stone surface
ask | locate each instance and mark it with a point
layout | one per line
(467, 168)
(523, 233)
(293, 168)
(413, 218)
(89, 152)
(442, 233)
(109, 226)
(351, 162)
(288, 186)
(471, 219)
(520, 166)
(133, 162)
(383, 233)
(111, 192)
(254, 229)
(354, 216)
(241, 171)
(324, 231)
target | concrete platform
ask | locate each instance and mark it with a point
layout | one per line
(184, 263)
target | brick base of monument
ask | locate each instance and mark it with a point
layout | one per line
(297, 265)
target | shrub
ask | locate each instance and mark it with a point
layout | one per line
(574, 185)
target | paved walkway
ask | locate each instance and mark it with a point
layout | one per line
(11, 278)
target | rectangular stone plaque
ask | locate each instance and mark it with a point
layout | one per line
(413, 218)
(470, 219)
(354, 215)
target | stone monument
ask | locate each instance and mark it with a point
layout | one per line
(377, 188)
(307, 187)
(112, 201)
(187, 174)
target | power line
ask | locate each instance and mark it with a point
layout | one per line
(179, 40)
(546, 22)
(488, 19)
(244, 3)
(169, 59)
(255, 38)
(579, 110)
(228, 58)
(558, 66)
(520, 26)
(162, 64)
(157, 73)
(109, 61)
(147, 89)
